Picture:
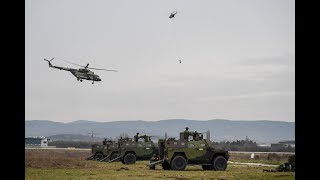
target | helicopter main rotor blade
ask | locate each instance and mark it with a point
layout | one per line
(86, 67)
(71, 62)
(103, 69)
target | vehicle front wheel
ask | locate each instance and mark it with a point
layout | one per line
(129, 158)
(220, 163)
(179, 163)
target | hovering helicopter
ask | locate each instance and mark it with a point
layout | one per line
(82, 73)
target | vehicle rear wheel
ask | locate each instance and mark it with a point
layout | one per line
(153, 167)
(129, 158)
(115, 155)
(220, 163)
(179, 163)
(98, 156)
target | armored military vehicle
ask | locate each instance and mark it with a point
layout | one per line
(108, 150)
(177, 154)
(139, 148)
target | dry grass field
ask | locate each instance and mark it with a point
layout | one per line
(71, 164)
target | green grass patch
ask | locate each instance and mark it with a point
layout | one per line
(139, 170)
(71, 165)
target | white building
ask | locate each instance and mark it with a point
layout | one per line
(36, 141)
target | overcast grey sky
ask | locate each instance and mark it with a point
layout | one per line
(238, 59)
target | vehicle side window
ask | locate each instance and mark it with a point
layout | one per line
(191, 145)
(202, 145)
(149, 145)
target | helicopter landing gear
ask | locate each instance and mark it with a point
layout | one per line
(92, 82)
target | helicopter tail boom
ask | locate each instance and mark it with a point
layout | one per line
(50, 65)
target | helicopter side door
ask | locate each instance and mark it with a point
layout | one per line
(90, 77)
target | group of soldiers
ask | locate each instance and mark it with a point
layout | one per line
(105, 142)
(196, 136)
(288, 166)
(145, 137)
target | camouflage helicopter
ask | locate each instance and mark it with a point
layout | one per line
(82, 73)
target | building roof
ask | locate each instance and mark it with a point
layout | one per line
(287, 142)
(35, 137)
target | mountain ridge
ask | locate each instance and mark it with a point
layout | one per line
(264, 131)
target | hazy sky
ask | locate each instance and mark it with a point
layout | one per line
(238, 59)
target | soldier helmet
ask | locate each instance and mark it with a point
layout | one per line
(187, 128)
(137, 133)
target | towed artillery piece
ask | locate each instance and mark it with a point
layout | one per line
(107, 151)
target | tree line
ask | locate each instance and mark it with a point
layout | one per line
(251, 146)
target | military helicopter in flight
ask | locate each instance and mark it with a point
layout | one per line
(82, 73)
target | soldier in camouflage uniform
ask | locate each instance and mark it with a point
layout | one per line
(186, 134)
(136, 137)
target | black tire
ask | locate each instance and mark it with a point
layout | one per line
(98, 156)
(113, 156)
(166, 166)
(129, 158)
(179, 163)
(220, 163)
(207, 167)
(152, 167)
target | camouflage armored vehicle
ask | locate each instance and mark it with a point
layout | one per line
(177, 154)
(108, 150)
(139, 148)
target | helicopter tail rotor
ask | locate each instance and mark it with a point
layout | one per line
(50, 65)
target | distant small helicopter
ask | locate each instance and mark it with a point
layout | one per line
(173, 14)
(82, 73)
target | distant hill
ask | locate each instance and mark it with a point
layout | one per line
(262, 131)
